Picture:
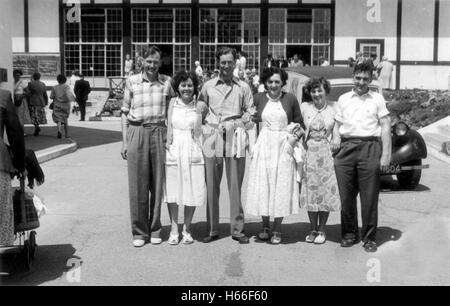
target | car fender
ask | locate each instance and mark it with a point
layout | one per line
(408, 147)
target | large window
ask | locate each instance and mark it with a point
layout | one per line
(305, 32)
(94, 46)
(169, 29)
(238, 28)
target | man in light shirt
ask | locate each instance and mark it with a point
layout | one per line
(362, 145)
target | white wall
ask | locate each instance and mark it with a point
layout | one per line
(444, 31)
(18, 30)
(351, 23)
(417, 30)
(44, 26)
(426, 77)
(5, 37)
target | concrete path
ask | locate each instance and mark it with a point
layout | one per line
(86, 240)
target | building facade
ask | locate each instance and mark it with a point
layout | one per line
(94, 36)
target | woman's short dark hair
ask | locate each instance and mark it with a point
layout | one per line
(268, 72)
(61, 79)
(225, 50)
(183, 76)
(36, 76)
(363, 65)
(17, 71)
(317, 82)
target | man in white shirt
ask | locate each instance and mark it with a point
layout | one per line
(362, 145)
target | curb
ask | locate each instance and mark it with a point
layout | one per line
(438, 155)
(56, 151)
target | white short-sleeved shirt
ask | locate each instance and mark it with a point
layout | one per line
(360, 115)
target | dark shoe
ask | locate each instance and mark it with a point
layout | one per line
(241, 239)
(346, 243)
(370, 246)
(209, 238)
(59, 135)
(264, 235)
(37, 131)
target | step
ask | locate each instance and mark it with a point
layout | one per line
(435, 140)
(444, 130)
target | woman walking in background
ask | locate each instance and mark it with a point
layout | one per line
(20, 97)
(62, 96)
(272, 187)
(319, 191)
(38, 101)
(185, 166)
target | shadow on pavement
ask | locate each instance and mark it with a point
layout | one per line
(51, 263)
(291, 232)
(85, 137)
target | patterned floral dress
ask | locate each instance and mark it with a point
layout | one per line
(6, 210)
(272, 187)
(319, 189)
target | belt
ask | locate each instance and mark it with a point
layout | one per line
(369, 138)
(148, 124)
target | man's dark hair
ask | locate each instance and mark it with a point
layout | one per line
(268, 72)
(151, 51)
(183, 76)
(17, 71)
(61, 79)
(36, 76)
(225, 50)
(317, 82)
(363, 65)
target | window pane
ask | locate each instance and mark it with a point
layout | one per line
(251, 25)
(229, 25)
(93, 23)
(182, 57)
(322, 25)
(183, 25)
(71, 31)
(252, 56)
(299, 25)
(71, 58)
(207, 57)
(113, 60)
(320, 51)
(160, 25)
(277, 20)
(207, 25)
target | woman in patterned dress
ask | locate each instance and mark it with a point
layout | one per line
(272, 187)
(20, 97)
(319, 189)
(62, 97)
(185, 166)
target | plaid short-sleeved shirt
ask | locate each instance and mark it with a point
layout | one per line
(145, 101)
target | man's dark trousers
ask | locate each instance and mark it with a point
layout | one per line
(82, 105)
(357, 166)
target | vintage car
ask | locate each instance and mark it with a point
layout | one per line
(408, 146)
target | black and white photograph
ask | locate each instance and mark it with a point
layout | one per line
(224, 147)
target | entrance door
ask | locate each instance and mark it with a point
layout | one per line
(166, 60)
(304, 53)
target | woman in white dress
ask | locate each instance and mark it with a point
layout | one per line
(185, 172)
(272, 187)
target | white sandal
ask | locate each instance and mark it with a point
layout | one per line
(187, 238)
(173, 239)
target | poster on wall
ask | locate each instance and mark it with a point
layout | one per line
(46, 65)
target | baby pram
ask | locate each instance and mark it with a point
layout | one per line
(26, 219)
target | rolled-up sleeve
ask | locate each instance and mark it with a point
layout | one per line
(382, 109)
(248, 105)
(338, 108)
(127, 98)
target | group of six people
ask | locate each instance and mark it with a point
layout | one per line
(177, 142)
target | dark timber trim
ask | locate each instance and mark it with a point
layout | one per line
(399, 44)
(61, 36)
(126, 30)
(26, 25)
(332, 30)
(436, 31)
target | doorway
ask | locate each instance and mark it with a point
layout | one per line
(166, 59)
(304, 53)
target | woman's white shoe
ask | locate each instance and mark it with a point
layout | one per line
(320, 238)
(137, 243)
(187, 238)
(173, 239)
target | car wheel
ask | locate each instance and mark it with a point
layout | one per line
(409, 179)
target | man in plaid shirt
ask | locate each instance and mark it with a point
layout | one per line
(144, 132)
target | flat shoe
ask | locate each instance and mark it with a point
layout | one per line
(320, 239)
(173, 239)
(209, 238)
(311, 237)
(241, 239)
(137, 243)
(276, 238)
(370, 246)
(264, 235)
(155, 240)
(187, 238)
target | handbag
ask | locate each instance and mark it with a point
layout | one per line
(52, 106)
(25, 215)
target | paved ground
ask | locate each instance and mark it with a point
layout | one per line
(86, 234)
